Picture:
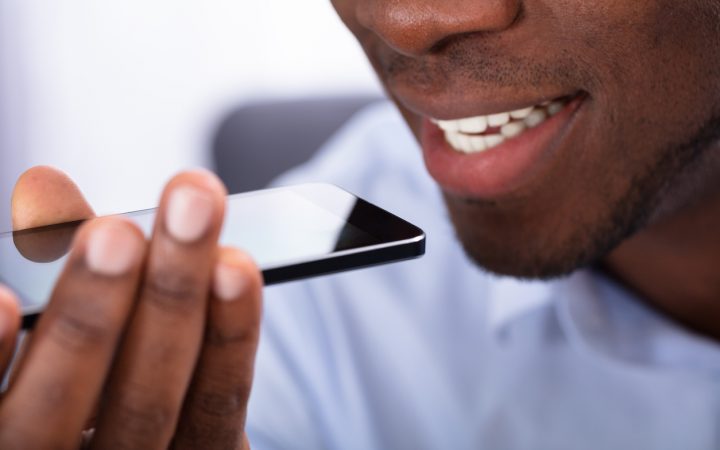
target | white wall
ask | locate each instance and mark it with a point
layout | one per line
(123, 94)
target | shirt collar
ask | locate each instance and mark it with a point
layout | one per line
(511, 298)
(602, 318)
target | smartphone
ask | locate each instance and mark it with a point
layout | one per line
(292, 233)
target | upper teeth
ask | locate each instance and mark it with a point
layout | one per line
(465, 135)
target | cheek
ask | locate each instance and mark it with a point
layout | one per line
(347, 11)
(648, 75)
(652, 62)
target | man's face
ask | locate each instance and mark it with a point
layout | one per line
(634, 88)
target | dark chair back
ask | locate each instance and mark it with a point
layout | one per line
(259, 141)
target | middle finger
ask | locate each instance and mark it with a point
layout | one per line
(159, 352)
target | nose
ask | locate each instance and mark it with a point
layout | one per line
(414, 27)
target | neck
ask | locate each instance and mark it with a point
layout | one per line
(674, 265)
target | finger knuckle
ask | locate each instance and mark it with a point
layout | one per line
(172, 290)
(142, 415)
(221, 338)
(81, 331)
(222, 403)
(199, 433)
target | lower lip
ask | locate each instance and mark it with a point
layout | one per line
(500, 170)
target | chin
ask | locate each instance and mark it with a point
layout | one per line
(517, 259)
(513, 262)
(535, 248)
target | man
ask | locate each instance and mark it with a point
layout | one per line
(566, 138)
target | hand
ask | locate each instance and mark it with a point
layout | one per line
(158, 337)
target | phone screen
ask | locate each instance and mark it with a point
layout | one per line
(291, 233)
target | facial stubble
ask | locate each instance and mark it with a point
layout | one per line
(589, 242)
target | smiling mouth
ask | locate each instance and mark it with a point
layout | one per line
(494, 155)
(480, 133)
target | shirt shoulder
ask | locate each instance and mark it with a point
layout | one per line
(327, 342)
(354, 360)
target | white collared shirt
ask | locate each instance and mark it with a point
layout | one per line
(436, 354)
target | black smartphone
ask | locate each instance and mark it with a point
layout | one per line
(292, 233)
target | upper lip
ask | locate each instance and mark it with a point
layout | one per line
(459, 106)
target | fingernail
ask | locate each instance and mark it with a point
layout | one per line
(189, 213)
(6, 295)
(112, 249)
(229, 282)
(5, 292)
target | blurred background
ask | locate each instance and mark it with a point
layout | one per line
(121, 95)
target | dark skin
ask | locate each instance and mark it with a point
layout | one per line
(633, 188)
(154, 356)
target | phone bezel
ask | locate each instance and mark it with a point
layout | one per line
(398, 239)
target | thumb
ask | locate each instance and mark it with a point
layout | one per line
(44, 195)
(9, 324)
